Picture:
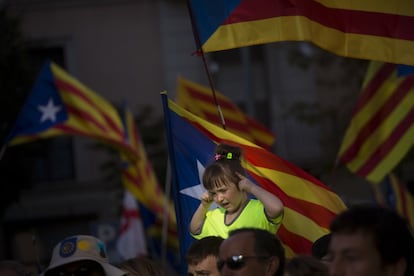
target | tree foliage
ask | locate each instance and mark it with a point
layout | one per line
(15, 80)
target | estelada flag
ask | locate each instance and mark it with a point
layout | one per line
(58, 104)
(309, 204)
(369, 29)
(198, 99)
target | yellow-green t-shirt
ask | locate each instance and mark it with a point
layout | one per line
(253, 215)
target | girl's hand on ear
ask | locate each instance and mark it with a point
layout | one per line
(206, 199)
(244, 184)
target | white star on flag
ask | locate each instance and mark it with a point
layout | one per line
(197, 190)
(48, 111)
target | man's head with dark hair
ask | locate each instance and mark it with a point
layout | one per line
(320, 247)
(201, 256)
(375, 231)
(252, 251)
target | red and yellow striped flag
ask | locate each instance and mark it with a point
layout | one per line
(139, 177)
(368, 29)
(59, 104)
(199, 100)
(310, 206)
(381, 130)
(140, 180)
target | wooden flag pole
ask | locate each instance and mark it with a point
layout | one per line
(200, 52)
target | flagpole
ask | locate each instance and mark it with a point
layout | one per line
(2, 150)
(165, 215)
(173, 170)
(166, 218)
(200, 52)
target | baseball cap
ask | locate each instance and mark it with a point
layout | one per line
(79, 248)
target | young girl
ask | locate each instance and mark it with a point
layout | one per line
(226, 184)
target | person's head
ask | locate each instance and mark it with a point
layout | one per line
(220, 178)
(201, 256)
(141, 266)
(320, 248)
(370, 240)
(305, 266)
(251, 251)
(81, 255)
(12, 268)
(221, 172)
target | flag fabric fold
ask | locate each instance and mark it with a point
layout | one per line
(346, 28)
(59, 104)
(381, 130)
(309, 204)
(153, 225)
(395, 195)
(139, 177)
(399, 198)
(198, 99)
(141, 183)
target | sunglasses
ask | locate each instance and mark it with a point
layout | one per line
(237, 262)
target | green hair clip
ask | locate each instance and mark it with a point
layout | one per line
(229, 155)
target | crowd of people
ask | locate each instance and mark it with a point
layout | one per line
(240, 238)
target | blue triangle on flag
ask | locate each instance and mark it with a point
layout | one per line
(405, 70)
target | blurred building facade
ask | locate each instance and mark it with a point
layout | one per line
(131, 50)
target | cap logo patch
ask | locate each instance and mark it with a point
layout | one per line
(67, 247)
(101, 247)
(84, 245)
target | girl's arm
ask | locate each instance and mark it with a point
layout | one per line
(199, 215)
(272, 204)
